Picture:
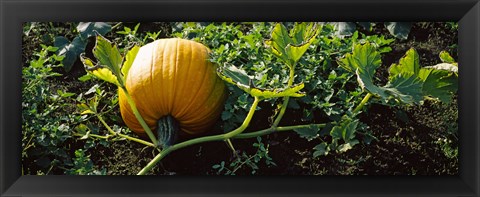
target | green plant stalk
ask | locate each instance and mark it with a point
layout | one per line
(230, 144)
(220, 137)
(93, 135)
(139, 117)
(274, 129)
(245, 122)
(166, 151)
(286, 99)
(362, 103)
(122, 135)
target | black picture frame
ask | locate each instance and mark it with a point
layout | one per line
(14, 12)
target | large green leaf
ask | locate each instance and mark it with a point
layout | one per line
(406, 89)
(440, 84)
(404, 86)
(108, 56)
(88, 29)
(363, 62)
(343, 29)
(235, 76)
(345, 129)
(291, 47)
(438, 81)
(308, 133)
(364, 58)
(132, 53)
(399, 29)
(70, 50)
(321, 149)
(239, 78)
(409, 64)
(446, 57)
(98, 71)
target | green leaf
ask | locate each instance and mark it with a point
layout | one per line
(404, 85)
(85, 77)
(88, 29)
(70, 50)
(81, 128)
(226, 115)
(279, 40)
(446, 58)
(291, 47)
(406, 89)
(309, 133)
(98, 71)
(364, 58)
(439, 84)
(132, 53)
(67, 94)
(321, 150)
(409, 64)
(83, 106)
(88, 111)
(438, 81)
(60, 42)
(345, 129)
(343, 29)
(235, 76)
(363, 61)
(239, 78)
(108, 55)
(399, 29)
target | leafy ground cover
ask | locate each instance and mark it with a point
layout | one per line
(387, 139)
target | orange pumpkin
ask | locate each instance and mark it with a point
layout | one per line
(172, 80)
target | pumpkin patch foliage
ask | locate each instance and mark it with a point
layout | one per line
(243, 90)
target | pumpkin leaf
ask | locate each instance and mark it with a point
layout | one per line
(405, 89)
(88, 29)
(404, 86)
(438, 81)
(235, 76)
(399, 29)
(321, 150)
(132, 53)
(343, 29)
(363, 62)
(409, 64)
(446, 57)
(70, 50)
(345, 129)
(439, 84)
(364, 58)
(291, 47)
(98, 71)
(108, 56)
(239, 78)
(308, 133)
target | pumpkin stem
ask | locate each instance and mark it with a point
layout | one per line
(167, 130)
